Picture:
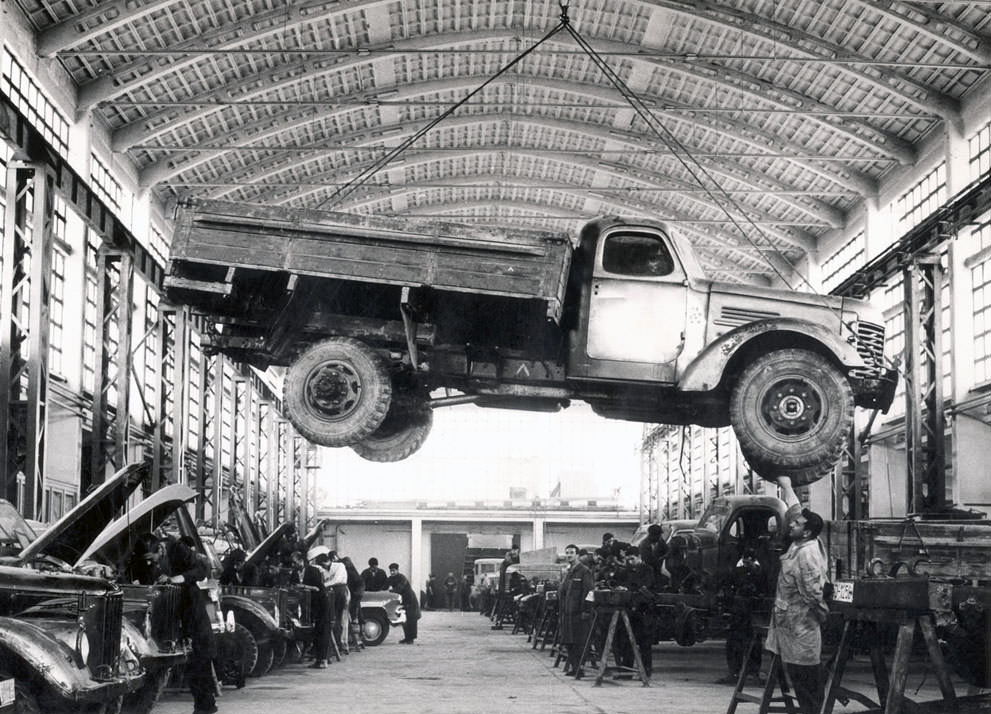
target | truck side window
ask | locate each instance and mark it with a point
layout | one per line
(638, 254)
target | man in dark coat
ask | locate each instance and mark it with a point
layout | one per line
(399, 584)
(574, 612)
(179, 564)
(320, 603)
(653, 550)
(375, 578)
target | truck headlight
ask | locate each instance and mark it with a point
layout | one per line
(82, 646)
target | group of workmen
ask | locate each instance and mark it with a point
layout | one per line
(798, 612)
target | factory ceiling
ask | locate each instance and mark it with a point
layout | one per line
(754, 126)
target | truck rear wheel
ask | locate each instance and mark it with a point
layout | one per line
(337, 392)
(792, 411)
(403, 431)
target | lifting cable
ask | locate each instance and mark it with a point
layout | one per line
(365, 175)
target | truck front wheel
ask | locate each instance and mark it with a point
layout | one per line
(403, 431)
(337, 392)
(792, 411)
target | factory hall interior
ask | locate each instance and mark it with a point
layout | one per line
(475, 356)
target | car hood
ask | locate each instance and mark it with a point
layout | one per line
(261, 551)
(72, 533)
(117, 538)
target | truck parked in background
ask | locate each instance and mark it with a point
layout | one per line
(371, 316)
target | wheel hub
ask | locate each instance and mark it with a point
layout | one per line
(334, 390)
(792, 407)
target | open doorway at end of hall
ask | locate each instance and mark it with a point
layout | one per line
(447, 555)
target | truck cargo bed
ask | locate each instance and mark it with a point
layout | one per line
(234, 237)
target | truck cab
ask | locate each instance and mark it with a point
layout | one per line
(707, 555)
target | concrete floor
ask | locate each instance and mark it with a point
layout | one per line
(459, 666)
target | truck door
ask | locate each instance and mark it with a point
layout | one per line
(637, 302)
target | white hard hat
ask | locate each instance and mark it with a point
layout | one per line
(316, 551)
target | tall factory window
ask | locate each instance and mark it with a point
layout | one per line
(922, 199)
(981, 288)
(56, 312)
(25, 94)
(844, 261)
(90, 311)
(193, 392)
(104, 184)
(159, 246)
(894, 333)
(56, 304)
(980, 152)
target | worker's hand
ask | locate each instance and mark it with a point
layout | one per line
(784, 481)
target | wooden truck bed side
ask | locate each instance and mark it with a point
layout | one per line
(947, 550)
(514, 263)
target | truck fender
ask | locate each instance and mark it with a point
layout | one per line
(706, 371)
(47, 657)
(252, 615)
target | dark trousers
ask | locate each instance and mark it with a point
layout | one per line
(199, 674)
(409, 628)
(808, 684)
(339, 601)
(355, 607)
(322, 617)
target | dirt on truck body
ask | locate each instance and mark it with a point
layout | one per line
(372, 315)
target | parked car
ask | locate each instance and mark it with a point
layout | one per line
(380, 610)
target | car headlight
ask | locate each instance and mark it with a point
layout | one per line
(82, 646)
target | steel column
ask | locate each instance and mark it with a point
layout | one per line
(284, 480)
(219, 393)
(925, 422)
(24, 331)
(269, 461)
(111, 393)
(206, 451)
(180, 396)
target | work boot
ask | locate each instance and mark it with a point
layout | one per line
(319, 664)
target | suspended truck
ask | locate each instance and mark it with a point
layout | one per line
(373, 316)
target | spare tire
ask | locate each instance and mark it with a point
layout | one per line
(403, 431)
(337, 392)
(792, 411)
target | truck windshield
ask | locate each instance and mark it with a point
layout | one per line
(715, 517)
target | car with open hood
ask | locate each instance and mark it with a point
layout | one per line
(44, 602)
(166, 511)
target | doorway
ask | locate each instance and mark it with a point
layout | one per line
(447, 555)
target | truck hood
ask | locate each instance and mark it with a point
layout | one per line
(117, 538)
(784, 295)
(72, 533)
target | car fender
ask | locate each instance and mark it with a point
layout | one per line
(252, 615)
(706, 371)
(47, 657)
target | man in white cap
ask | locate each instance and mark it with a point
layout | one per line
(313, 576)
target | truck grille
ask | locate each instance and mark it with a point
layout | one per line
(103, 617)
(165, 625)
(870, 346)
